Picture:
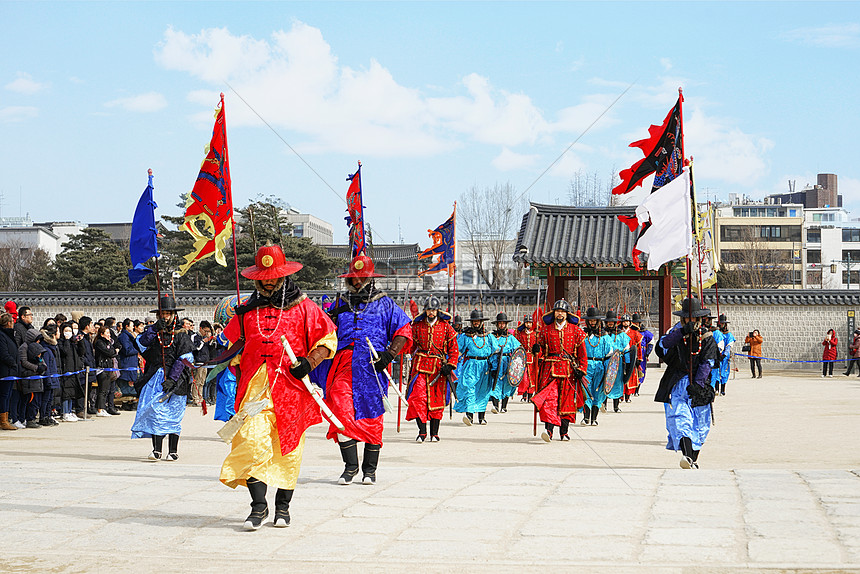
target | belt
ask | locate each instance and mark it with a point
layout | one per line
(597, 358)
(476, 358)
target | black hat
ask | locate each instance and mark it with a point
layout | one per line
(458, 320)
(592, 314)
(528, 318)
(611, 316)
(502, 318)
(432, 303)
(723, 319)
(562, 305)
(636, 318)
(626, 317)
(168, 303)
(476, 315)
(691, 308)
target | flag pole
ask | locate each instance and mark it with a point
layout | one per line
(232, 214)
(453, 302)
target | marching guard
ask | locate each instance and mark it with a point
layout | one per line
(527, 336)
(267, 449)
(561, 391)
(473, 386)
(434, 357)
(598, 348)
(505, 344)
(620, 342)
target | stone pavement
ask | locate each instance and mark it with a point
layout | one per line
(778, 491)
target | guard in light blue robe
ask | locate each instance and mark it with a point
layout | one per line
(715, 373)
(726, 352)
(620, 342)
(598, 347)
(473, 386)
(505, 344)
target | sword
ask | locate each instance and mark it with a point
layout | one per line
(373, 358)
(315, 392)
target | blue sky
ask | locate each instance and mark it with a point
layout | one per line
(433, 98)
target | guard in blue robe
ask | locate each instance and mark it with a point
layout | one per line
(687, 404)
(646, 345)
(726, 351)
(618, 341)
(506, 344)
(597, 347)
(473, 386)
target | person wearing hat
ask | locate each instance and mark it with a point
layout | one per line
(165, 382)
(646, 345)
(354, 382)
(854, 353)
(505, 344)
(597, 348)
(267, 449)
(561, 388)
(434, 357)
(473, 386)
(687, 404)
(527, 336)
(619, 341)
(631, 368)
(726, 341)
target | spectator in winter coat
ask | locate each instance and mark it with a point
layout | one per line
(128, 359)
(754, 340)
(84, 342)
(32, 365)
(9, 367)
(71, 387)
(106, 353)
(854, 352)
(830, 343)
(24, 324)
(51, 384)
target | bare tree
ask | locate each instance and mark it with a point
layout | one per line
(589, 190)
(754, 265)
(22, 268)
(490, 218)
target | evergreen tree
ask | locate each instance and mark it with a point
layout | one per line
(90, 261)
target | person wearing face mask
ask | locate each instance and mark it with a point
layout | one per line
(84, 342)
(435, 354)
(561, 391)
(598, 348)
(620, 342)
(353, 382)
(51, 357)
(107, 351)
(71, 390)
(687, 398)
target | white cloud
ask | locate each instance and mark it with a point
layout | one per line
(24, 84)
(833, 36)
(666, 63)
(509, 160)
(577, 64)
(12, 114)
(144, 103)
(567, 166)
(721, 150)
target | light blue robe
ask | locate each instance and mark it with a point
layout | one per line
(620, 342)
(726, 364)
(682, 419)
(715, 373)
(153, 417)
(508, 345)
(473, 386)
(597, 348)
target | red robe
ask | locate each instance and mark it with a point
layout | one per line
(432, 346)
(635, 352)
(304, 325)
(559, 393)
(528, 339)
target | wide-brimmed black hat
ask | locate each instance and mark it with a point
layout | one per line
(636, 318)
(692, 308)
(168, 303)
(723, 319)
(502, 318)
(593, 314)
(611, 316)
(476, 315)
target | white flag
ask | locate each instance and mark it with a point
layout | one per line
(670, 235)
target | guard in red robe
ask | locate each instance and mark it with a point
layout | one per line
(435, 353)
(632, 382)
(528, 338)
(560, 390)
(267, 450)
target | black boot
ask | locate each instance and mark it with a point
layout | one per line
(495, 405)
(481, 420)
(172, 447)
(615, 403)
(259, 508)
(594, 410)
(504, 408)
(722, 389)
(546, 435)
(687, 451)
(422, 431)
(282, 507)
(434, 430)
(157, 442)
(349, 453)
(565, 426)
(467, 419)
(370, 462)
(586, 415)
(695, 458)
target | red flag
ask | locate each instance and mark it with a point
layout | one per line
(211, 200)
(355, 219)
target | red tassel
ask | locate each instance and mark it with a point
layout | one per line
(203, 409)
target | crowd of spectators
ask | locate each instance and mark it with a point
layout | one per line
(72, 368)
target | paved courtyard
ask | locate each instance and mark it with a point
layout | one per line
(778, 490)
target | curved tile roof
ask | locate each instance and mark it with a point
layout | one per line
(783, 297)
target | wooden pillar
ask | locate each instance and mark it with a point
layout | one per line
(554, 287)
(665, 296)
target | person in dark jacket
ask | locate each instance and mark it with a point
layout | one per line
(204, 346)
(9, 367)
(24, 324)
(106, 352)
(51, 384)
(71, 389)
(32, 365)
(128, 359)
(84, 342)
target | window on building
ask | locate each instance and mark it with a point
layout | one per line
(851, 254)
(792, 213)
(813, 236)
(731, 255)
(298, 230)
(813, 256)
(851, 235)
(468, 277)
(855, 277)
(731, 233)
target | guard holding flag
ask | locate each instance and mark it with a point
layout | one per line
(356, 389)
(435, 354)
(527, 337)
(267, 449)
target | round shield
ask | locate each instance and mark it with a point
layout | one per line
(516, 367)
(226, 308)
(611, 371)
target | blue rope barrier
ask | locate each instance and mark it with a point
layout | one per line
(34, 377)
(788, 360)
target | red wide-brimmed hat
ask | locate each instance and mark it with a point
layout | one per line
(361, 266)
(270, 263)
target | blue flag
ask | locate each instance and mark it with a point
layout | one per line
(143, 244)
(444, 245)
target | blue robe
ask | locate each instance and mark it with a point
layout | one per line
(507, 345)
(620, 342)
(153, 417)
(473, 386)
(597, 349)
(715, 373)
(726, 360)
(225, 395)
